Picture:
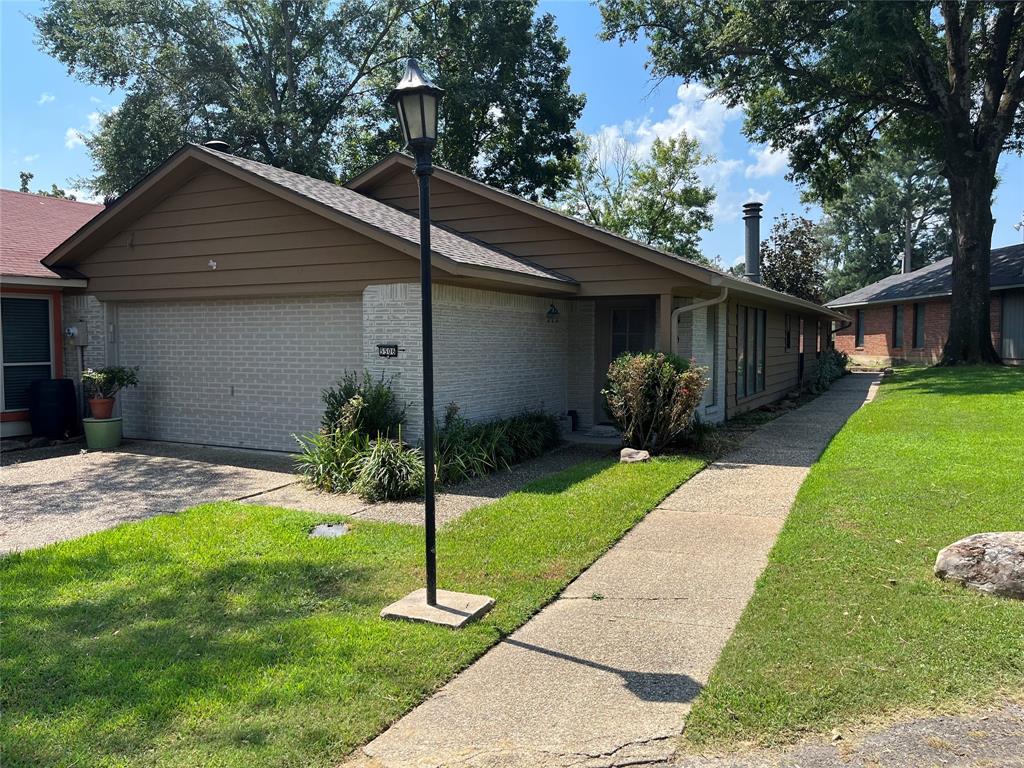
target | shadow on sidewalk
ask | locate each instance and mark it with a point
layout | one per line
(648, 686)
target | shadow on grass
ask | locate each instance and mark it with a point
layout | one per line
(146, 648)
(962, 380)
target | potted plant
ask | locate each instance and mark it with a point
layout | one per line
(102, 385)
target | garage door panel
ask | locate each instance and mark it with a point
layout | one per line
(246, 372)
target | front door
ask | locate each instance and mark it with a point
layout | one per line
(622, 325)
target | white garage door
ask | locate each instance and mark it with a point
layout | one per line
(246, 372)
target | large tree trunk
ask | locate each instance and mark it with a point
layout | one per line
(970, 332)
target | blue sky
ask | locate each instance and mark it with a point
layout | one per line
(45, 111)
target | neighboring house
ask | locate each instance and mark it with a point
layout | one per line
(905, 317)
(241, 291)
(30, 294)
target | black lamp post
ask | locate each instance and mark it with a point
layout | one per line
(416, 99)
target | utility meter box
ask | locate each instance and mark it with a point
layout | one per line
(77, 334)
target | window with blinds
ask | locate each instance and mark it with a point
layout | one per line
(750, 350)
(27, 351)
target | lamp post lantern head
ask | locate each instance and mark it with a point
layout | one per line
(416, 99)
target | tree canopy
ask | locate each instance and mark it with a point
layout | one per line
(896, 207)
(792, 258)
(301, 84)
(25, 179)
(657, 200)
(828, 79)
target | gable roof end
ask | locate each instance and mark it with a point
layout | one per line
(397, 229)
(700, 272)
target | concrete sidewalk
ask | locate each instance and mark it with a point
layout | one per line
(605, 675)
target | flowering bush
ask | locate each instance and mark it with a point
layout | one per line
(652, 397)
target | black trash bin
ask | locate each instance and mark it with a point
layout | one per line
(51, 408)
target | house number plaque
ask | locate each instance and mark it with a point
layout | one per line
(387, 350)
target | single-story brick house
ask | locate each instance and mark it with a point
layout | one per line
(905, 317)
(242, 290)
(30, 296)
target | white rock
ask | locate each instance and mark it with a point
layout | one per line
(632, 456)
(986, 562)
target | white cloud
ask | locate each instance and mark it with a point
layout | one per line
(753, 196)
(84, 195)
(695, 113)
(768, 162)
(73, 138)
(29, 158)
(45, 98)
(95, 100)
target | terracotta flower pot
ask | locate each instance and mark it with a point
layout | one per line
(101, 408)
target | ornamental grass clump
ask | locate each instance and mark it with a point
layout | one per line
(467, 449)
(652, 397)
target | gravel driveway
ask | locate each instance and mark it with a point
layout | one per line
(47, 499)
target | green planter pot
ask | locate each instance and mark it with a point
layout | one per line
(102, 434)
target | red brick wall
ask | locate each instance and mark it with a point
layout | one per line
(878, 337)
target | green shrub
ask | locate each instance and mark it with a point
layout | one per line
(831, 366)
(330, 461)
(651, 400)
(363, 404)
(465, 449)
(105, 383)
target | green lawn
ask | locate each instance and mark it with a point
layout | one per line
(223, 636)
(848, 621)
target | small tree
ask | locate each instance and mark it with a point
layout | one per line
(792, 258)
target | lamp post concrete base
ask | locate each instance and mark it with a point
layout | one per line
(453, 609)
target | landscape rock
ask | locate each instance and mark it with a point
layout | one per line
(329, 531)
(632, 456)
(987, 562)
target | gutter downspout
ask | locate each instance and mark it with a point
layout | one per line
(722, 296)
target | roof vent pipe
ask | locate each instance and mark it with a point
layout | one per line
(219, 146)
(752, 220)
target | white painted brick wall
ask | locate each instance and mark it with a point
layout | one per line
(581, 388)
(245, 372)
(495, 354)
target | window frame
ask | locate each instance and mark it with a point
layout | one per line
(711, 339)
(788, 330)
(858, 328)
(751, 351)
(49, 335)
(897, 326)
(918, 326)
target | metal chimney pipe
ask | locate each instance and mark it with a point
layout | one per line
(752, 220)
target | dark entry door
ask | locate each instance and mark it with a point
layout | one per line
(622, 325)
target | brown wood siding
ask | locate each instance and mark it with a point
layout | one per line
(261, 244)
(781, 365)
(600, 269)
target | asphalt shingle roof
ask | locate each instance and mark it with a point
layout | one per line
(936, 280)
(33, 225)
(458, 248)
